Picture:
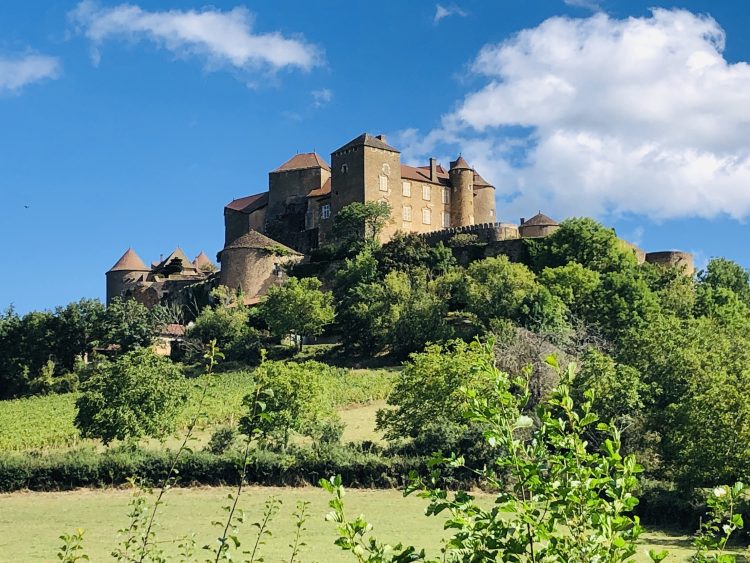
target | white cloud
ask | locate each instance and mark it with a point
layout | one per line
(600, 116)
(19, 71)
(446, 11)
(321, 97)
(592, 5)
(222, 39)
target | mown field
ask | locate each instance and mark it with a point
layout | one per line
(30, 523)
(47, 422)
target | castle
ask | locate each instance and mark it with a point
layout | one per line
(266, 231)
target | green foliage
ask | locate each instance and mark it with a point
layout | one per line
(298, 307)
(139, 394)
(361, 221)
(584, 241)
(721, 273)
(71, 550)
(296, 400)
(499, 289)
(227, 324)
(128, 325)
(572, 283)
(409, 252)
(558, 500)
(723, 521)
(429, 390)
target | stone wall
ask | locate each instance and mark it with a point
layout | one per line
(672, 258)
(252, 270)
(485, 232)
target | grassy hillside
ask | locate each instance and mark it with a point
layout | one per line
(47, 422)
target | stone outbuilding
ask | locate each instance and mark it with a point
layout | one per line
(540, 225)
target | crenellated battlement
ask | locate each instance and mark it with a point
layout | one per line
(485, 233)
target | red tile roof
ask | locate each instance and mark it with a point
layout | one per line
(422, 174)
(302, 161)
(249, 203)
(323, 190)
(129, 261)
(202, 260)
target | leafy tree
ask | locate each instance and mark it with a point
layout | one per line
(584, 241)
(675, 291)
(139, 394)
(296, 400)
(361, 221)
(430, 389)
(78, 327)
(228, 325)
(409, 252)
(558, 499)
(128, 324)
(497, 288)
(722, 273)
(572, 283)
(298, 307)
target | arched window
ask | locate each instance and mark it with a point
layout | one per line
(344, 168)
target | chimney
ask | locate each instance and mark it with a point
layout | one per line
(381, 138)
(523, 220)
(433, 169)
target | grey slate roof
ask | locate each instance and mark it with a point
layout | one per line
(254, 239)
(367, 140)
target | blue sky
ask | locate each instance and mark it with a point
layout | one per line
(132, 124)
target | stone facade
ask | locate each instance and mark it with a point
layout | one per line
(305, 194)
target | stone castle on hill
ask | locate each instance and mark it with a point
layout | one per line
(265, 232)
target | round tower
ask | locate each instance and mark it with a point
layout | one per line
(484, 200)
(462, 200)
(252, 263)
(125, 274)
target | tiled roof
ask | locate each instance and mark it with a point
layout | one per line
(422, 174)
(202, 260)
(479, 181)
(325, 189)
(540, 220)
(179, 255)
(367, 140)
(129, 261)
(302, 161)
(249, 203)
(460, 163)
(253, 239)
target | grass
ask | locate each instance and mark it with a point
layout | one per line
(47, 422)
(31, 523)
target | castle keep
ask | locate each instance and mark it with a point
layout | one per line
(267, 231)
(305, 194)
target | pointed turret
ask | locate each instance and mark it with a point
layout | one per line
(462, 202)
(125, 274)
(203, 262)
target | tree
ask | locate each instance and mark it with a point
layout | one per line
(361, 221)
(430, 389)
(227, 324)
(584, 241)
(409, 252)
(298, 307)
(723, 273)
(139, 394)
(572, 284)
(497, 288)
(128, 324)
(296, 399)
(79, 327)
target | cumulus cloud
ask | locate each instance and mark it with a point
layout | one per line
(19, 71)
(321, 97)
(221, 39)
(442, 12)
(603, 116)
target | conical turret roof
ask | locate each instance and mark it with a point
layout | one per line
(202, 260)
(541, 220)
(129, 262)
(254, 239)
(460, 164)
(178, 254)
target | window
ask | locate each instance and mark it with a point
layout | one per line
(325, 211)
(344, 168)
(426, 193)
(426, 216)
(383, 183)
(407, 213)
(446, 219)
(446, 195)
(386, 169)
(406, 189)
